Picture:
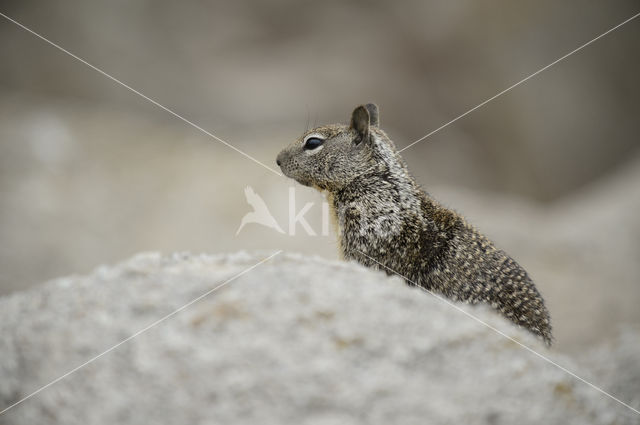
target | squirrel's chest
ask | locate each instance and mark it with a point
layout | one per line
(363, 227)
(335, 222)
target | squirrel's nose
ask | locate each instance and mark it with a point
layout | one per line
(280, 158)
(278, 161)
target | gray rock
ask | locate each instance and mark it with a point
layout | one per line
(617, 365)
(295, 340)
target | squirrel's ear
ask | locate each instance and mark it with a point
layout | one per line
(374, 117)
(360, 122)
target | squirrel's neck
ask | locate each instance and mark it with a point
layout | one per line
(379, 208)
(378, 191)
(374, 204)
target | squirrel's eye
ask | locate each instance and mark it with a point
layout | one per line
(312, 143)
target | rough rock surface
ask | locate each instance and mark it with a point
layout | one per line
(295, 340)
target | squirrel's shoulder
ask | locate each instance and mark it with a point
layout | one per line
(445, 218)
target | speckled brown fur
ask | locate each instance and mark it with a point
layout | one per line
(384, 217)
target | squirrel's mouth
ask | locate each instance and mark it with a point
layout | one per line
(299, 179)
(302, 181)
(287, 173)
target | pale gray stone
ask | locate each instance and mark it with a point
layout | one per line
(296, 340)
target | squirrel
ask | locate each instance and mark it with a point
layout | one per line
(385, 220)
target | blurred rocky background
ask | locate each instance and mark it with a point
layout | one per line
(91, 173)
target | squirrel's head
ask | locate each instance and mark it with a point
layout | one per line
(332, 156)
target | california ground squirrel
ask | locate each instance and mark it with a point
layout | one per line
(385, 218)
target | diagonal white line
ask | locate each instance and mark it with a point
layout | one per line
(173, 313)
(141, 95)
(520, 82)
(526, 347)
